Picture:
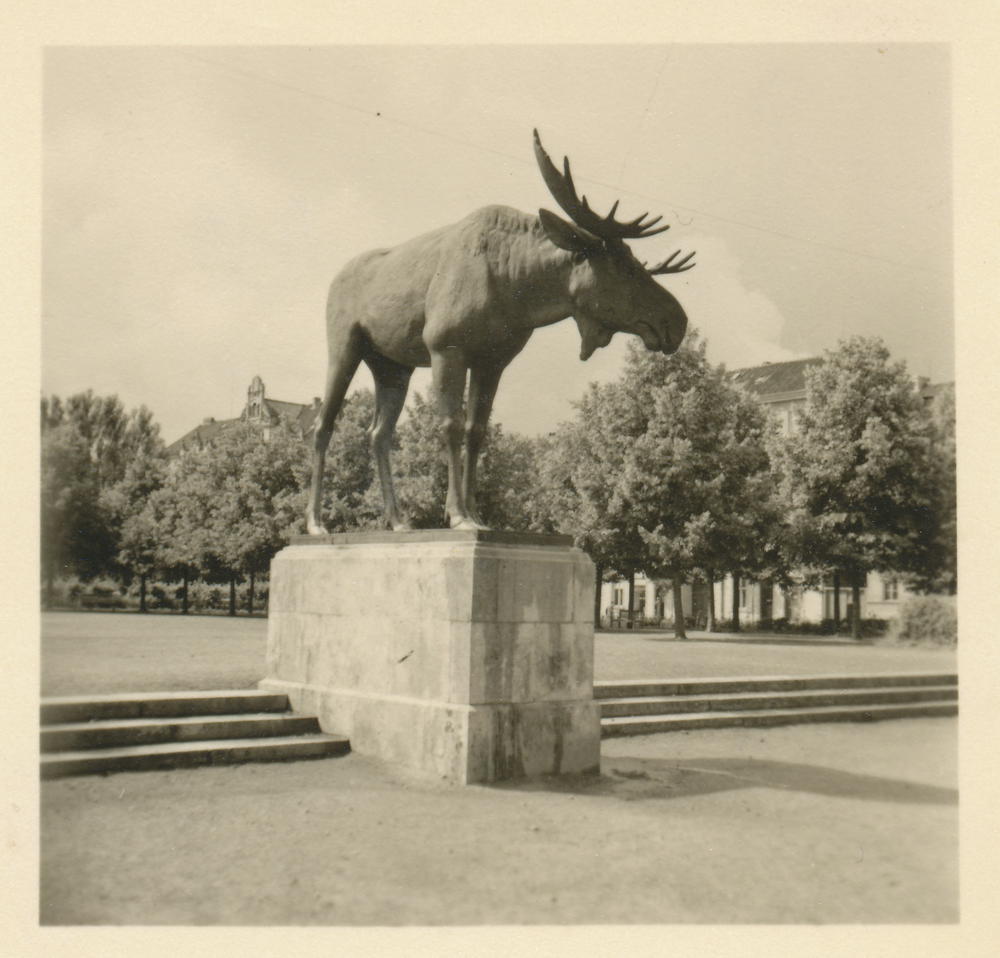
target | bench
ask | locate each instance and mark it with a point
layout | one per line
(619, 619)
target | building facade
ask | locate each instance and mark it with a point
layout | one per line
(757, 602)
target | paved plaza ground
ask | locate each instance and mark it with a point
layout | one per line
(814, 824)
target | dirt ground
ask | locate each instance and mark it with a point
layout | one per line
(813, 824)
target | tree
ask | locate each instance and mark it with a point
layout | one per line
(507, 480)
(348, 503)
(936, 566)
(174, 521)
(88, 443)
(420, 474)
(139, 532)
(697, 478)
(230, 506)
(859, 472)
(666, 472)
(112, 437)
(262, 499)
(75, 533)
(577, 468)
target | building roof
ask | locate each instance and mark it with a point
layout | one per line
(299, 415)
(778, 381)
(208, 431)
(296, 413)
(773, 379)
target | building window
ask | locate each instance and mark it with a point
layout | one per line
(890, 591)
(618, 597)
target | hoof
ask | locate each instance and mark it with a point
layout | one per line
(467, 525)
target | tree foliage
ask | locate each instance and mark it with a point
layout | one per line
(859, 471)
(577, 469)
(937, 568)
(666, 472)
(350, 471)
(669, 471)
(506, 474)
(132, 504)
(698, 478)
(227, 509)
(88, 443)
(75, 536)
(112, 437)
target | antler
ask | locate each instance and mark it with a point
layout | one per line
(665, 266)
(564, 192)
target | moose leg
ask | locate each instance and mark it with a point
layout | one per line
(449, 383)
(391, 382)
(483, 382)
(343, 365)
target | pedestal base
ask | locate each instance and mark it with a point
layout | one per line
(468, 655)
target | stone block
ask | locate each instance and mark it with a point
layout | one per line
(469, 655)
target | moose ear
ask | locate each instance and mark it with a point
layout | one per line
(568, 236)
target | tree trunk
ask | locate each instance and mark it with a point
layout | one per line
(232, 595)
(142, 593)
(250, 596)
(856, 611)
(599, 573)
(184, 599)
(710, 617)
(50, 579)
(631, 600)
(678, 609)
(736, 603)
(836, 602)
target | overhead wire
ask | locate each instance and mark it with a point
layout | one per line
(520, 159)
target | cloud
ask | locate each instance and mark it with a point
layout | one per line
(742, 325)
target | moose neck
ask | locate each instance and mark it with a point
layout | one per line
(537, 275)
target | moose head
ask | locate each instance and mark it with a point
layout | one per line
(611, 290)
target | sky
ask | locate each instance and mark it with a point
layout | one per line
(197, 201)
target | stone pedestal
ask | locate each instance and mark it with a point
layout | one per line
(466, 654)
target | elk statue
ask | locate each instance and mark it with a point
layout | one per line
(464, 300)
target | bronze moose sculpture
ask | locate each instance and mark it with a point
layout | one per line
(464, 300)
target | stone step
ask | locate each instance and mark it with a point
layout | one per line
(117, 733)
(647, 687)
(133, 705)
(741, 701)
(187, 754)
(144, 730)
(761, 718)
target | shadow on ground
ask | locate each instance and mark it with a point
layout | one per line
(737, 638)
(807, 641)
(638, 779)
